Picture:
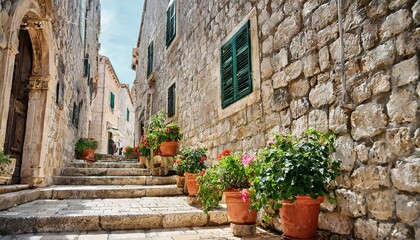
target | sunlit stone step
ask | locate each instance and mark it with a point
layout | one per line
(114, 180)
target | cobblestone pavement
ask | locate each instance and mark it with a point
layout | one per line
(222, 232)
(86, 207)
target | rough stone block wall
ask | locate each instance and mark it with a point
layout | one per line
(377, 124)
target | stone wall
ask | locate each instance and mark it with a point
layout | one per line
(297, 80)
(57, 82)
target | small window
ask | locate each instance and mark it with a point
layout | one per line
(235, 67)
(57, 93)
(171, 100)
(171, 23)
(112, 101)
(128, 115)
(75, 116)
(86, 67)
(150, 59)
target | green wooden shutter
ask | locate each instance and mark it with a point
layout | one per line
(171, 23)
(243, 63)
(171, 100)
(112, 101)
(150, 59)
(227, 75)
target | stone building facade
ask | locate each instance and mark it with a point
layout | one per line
(112, 111)
(295, 64)
(48, 63)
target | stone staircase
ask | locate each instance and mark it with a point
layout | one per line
(104, 196)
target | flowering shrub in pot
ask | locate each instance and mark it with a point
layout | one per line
(85, 149)
(294, 173)
(192, 161)
(7, 167)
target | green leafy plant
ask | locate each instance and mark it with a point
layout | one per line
(192, 160)
(292, 166)
(144, 148)
(172, 132)
(231, 172)
(160, 131)
(4, 159)
(84, 144)
(178, 167)
(128, 151)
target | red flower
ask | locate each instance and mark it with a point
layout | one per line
(203, 158)
(203, 172)
(224, 153)
(245, 195)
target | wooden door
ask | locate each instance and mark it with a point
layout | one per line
(19, 98)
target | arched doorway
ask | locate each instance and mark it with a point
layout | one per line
(18, 107)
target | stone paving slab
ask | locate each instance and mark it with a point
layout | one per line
(13, 188)
(189, 233)
(114, 180)
(106, 165)
(107, 214)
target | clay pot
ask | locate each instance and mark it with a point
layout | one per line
(180, 181)
(238, 210)
(191, 180)
(88, 155)
(300, 219)
(168, 148)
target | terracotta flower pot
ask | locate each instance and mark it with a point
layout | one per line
(300, 219)
(168, 148)
(89, 155)
(180, 181)
(142, 159)
(238, 210)
(191, 180)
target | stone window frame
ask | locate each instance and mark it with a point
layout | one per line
(175, 41)
(171, 118)
(255, 95)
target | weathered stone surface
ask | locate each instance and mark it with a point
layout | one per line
(280, 80)
(272, 119)
(285, 118)
(299, 107)
(309, 6)
(380, 83)
(381, 204)
(399, 141)
(125, 222)
(395, 23)
(310, 64)
(281, 99)
(384, 230)
(407, 42)
(417, 138)
(370, 177)
(362, 153)
(294, 70)
(267, 45)
(243, 230)
(352, 47)
(300, 125)
(416, 12)
(405, 72)
(369, 35)
(302, 43)
(365, 229)
(324, 15)
(361, 93)
(218, 218)
(345, 152)
(408, 208)
(322, 94)
(327, 35)
(343, 180)
(401, 231)
(335, 223)
(350, 203)
(406, 174)
(280, 60)
(299, 88)
(377, 8)
(324, 58)
(266, 69)
(288, 28)
(368, 120)
(184, 220)
(379, 153)
(383, 55)
(338, 120)
(402, 106)
(393, 5)
(318, 119)
(328, 206)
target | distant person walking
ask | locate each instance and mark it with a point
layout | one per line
(111, 144)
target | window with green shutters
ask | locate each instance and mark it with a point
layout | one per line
(170, 23)
(171, 100)
(128, 115)
(112, 101)
(236, 67)
(150, 59)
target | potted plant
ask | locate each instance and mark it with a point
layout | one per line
(180, 170)
(192, 161)
(128, 152)
(7, 167)
(294, 173)
(230, 176)
(144, 151)
(85, 149)
(170, 137)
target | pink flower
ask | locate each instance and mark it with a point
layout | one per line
(271, 142)
(245, 195)
(246, 160)
(203, 158)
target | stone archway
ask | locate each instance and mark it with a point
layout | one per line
(36, 17)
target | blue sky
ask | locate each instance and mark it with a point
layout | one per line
(120, 23)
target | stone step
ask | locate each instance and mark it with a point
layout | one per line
(115, 180)
(73, 171)
(105, 165)
(107, 214)
(112, 191)
(13, 188)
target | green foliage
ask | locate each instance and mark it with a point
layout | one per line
(178, 167)
(293, 166)
(161, 132)
(231, 172)
(4, 159)
(84, 144)
(144, 147)
(192, 160)
(98, 156)
(128, 151)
